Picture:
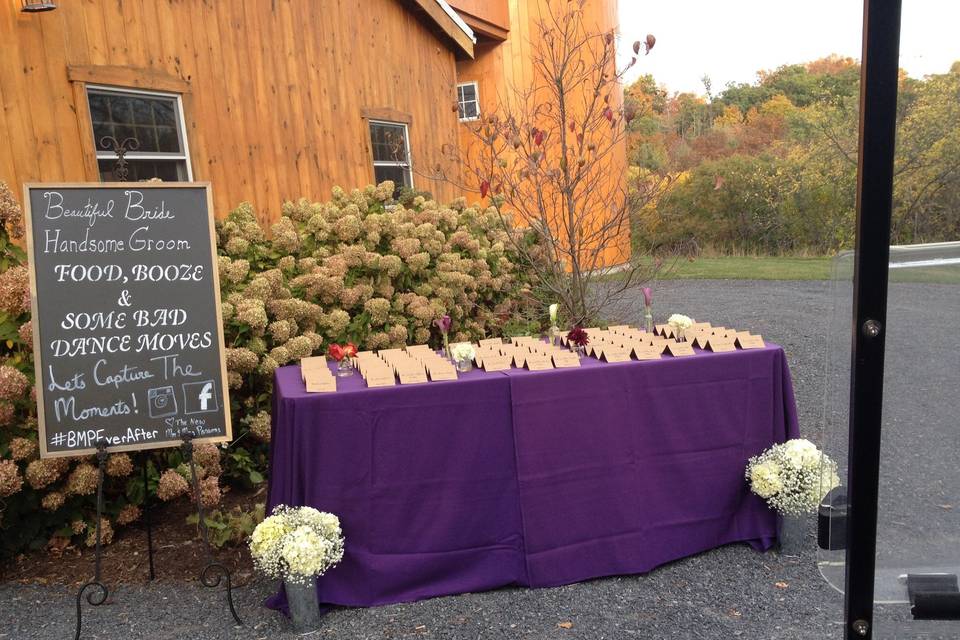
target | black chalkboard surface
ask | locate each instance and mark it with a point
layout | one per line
(128, 341)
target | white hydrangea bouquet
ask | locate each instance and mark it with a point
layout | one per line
(679, 323)
(297, 544)
(792, 477)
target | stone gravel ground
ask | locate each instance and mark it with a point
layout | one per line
(732, 592)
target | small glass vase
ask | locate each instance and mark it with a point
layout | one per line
(554, 336)
(446, 348)
(648, 319)
(345, 368)
(680, 335)
(303, 605)
(464, 365)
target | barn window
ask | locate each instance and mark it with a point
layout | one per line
(148, 125)
(468, 101)
(391, 153)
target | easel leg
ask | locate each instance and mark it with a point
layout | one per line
(214, 572)
(147, 516)
(98, 598)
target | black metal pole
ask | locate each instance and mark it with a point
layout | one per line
(214, 572)
(100, 596)
(147, 515)
(879, 76)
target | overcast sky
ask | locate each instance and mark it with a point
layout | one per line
(731, 41)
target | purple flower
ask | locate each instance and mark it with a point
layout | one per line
(647, 296)
(443, 324)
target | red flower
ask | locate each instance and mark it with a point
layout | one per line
(350, 351)
(336, 352)
(578, 336)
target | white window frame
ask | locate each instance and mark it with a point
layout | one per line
(476, 92)
(103, 154)
(406, 165)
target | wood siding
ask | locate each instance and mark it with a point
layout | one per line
(274, 91)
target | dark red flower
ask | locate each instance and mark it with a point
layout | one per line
(578, 336)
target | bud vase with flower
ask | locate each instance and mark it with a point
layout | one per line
(554, 329)
(444, 324)
(343, 354)
(648, 309)
(578, 340)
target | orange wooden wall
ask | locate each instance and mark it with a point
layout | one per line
(274, 90)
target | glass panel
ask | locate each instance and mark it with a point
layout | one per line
(399, 175)
(918, 523)
(389, 142)
(150, 120)
(166, 170)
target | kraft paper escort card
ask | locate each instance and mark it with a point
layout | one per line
(750, 342)
(412, 376)
(522, 340)
(565, 360)
(519, 358)
(496, 363)
(618, 328)
(380, 378)
(647, 352)
(696, 326)
(616, 354)
(700, 340)
(321, 384)
(679, 349)
(419, 348)
(442, 371)
(718, 344)
(491, 342)
(537, 362)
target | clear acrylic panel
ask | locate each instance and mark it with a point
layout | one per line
(918, 525)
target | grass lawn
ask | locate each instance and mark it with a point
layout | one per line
(749, 268)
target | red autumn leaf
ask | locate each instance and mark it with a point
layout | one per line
(608, 114)
(651, 40)
(580, 138)
(538, 138)
(484, 188)
(533, 132)
(573, 126)
(636, 47)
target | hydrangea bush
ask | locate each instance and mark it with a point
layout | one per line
(361, 268)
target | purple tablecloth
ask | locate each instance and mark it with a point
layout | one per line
(531, 478)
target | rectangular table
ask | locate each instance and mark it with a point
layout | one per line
(531, 478)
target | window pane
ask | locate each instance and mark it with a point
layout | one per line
(467, 102)
(166, 170)
(389, 144)
(150, 120)
(399, 175)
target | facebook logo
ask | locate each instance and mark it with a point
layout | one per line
(200, 397)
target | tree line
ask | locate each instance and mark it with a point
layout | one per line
(770, 167)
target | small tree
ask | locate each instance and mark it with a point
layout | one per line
(551, 157)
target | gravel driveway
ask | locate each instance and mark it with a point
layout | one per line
(730, 592)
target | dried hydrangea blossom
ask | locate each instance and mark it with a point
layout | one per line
(171, 485)
(106, 533)
(119, 465)
(83, 480)
(260, 427)
(42, 473)
(10, 479)
(23, 449)
(129, 514)
(53, 501)
(13, 384)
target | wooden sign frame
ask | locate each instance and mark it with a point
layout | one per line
(35, 318)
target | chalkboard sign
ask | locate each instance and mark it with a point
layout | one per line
(127, 334)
